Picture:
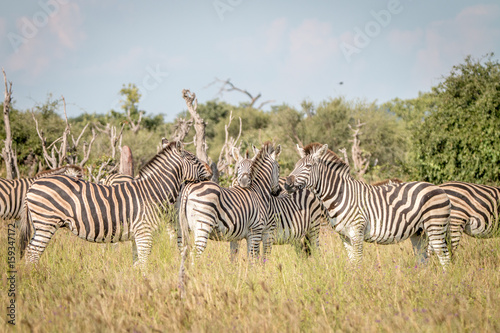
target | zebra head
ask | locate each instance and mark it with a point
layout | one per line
(192, 168)
(243, 169)
(270, 154)
(306, 171)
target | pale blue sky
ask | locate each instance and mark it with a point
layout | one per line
(286, 50)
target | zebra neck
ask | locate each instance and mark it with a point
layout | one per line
(338, 190)
(159, 189)
(262, 188)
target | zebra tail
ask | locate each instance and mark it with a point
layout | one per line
(25, 230)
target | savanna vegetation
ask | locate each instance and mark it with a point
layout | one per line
(449, 133)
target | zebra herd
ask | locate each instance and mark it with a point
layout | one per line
(260, 206)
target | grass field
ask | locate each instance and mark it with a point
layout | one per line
(84, 287)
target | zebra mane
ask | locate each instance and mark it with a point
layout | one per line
(267, 149)
(329, 156)
(171, 146)
(60, 171)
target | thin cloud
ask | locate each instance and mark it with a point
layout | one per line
(47, 44)
(449, 41)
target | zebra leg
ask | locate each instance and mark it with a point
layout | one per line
(234, 249)
(437, 233)
(253, 245)
(39, 241)
(135, 257)
(143, 242)
(421, 246)
(457, 227)
(267, 243)
(353, 243)
(311, 240)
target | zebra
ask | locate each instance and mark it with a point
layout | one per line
(116, 178)
(379, 214)
(233, 213)
(13, 192)
(297, 216)
(108, 214)
(474, 210)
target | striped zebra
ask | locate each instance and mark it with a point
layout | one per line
(116, 178)
(378, 214)
(234, 213)
(13, 192)
(474, 210)
(108, 214)
(297, 217)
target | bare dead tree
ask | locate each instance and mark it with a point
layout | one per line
(135, 126)
(199, 125)
(360, 158)
(115, 139)
(228, 86)
(226, 156)
(181, 129)
(9, 155)
(59, 154)
(344, 152)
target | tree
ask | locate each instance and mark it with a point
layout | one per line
(460, 139)
(9, 155)
(130, 106)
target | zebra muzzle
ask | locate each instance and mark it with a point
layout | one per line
(289, 186)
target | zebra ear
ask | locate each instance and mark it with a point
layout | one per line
(164, 143)
(277, 152)
(255, 152)
(247, 155)
(321, 152)
(301, 151)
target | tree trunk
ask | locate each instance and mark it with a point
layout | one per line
(127, 162)
(9, 156)
(199, 125)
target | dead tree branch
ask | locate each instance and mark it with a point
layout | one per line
(360, 158)
(228, 86)
(181, 129)
(9, 155)
(226, 156)
(199, 125)
(344, 152)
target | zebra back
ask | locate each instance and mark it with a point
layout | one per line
(474, 209)
(116, 178)
(13, 192)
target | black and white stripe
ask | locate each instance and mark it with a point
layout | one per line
(13, 192)
(99, 213)
(379, 214)
(116, 178)
(474, 210)
(231, 214)
(296, 217)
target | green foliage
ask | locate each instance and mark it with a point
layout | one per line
(460, 139)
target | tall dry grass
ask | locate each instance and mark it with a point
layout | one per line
(85, 287)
